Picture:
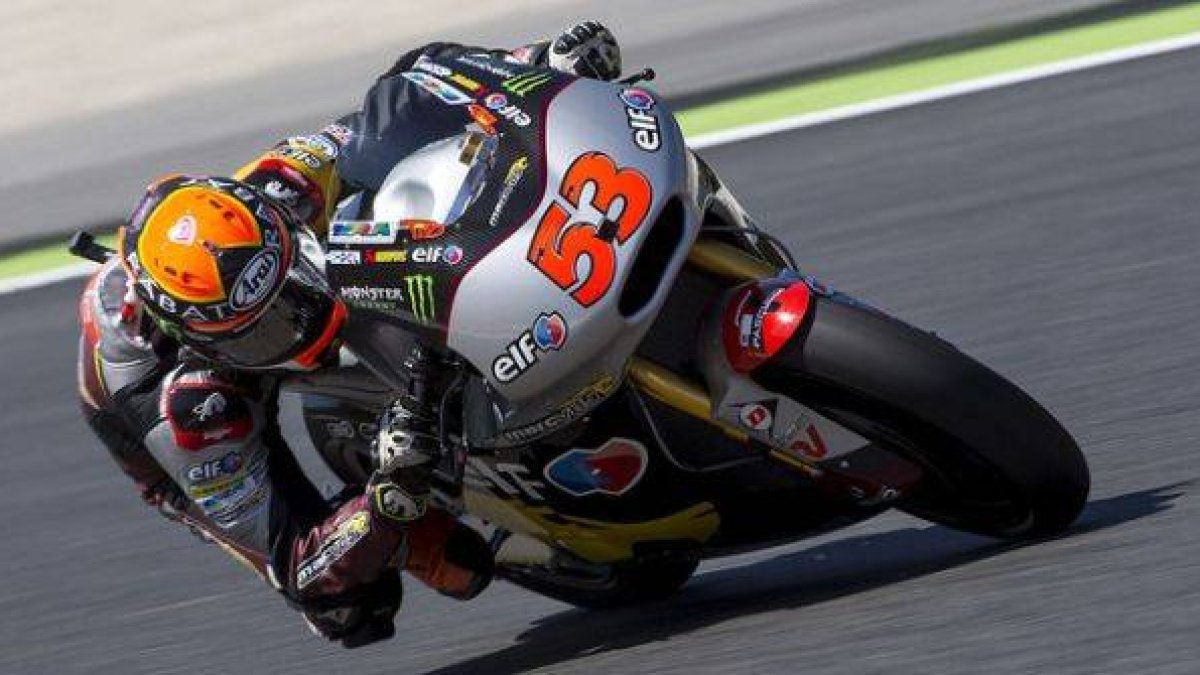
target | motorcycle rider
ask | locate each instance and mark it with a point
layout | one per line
(211, 298)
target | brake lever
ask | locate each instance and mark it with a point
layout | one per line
(643, 75)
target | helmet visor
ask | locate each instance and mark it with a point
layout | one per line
(301, 319)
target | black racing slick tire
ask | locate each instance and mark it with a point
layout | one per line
(622, 584)
(994, 461)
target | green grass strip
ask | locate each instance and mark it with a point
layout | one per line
(904, 78)
(43, 259)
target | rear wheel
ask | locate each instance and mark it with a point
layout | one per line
(994, 461)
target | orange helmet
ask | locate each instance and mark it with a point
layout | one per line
(218, 266)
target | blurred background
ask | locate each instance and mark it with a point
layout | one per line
(105, 95)
(1048, 227)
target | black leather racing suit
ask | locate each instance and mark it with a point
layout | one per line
(204, 445)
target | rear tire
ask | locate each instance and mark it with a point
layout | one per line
(995, 462)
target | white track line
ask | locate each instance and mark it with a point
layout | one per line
(947, 91)
(809, 120)
(46, 278)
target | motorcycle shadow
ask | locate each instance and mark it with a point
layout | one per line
(792, 580)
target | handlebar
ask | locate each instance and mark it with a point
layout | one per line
(84, 245)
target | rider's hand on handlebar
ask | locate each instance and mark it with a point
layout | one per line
(587, 49)
(405, 454)
(407, 439)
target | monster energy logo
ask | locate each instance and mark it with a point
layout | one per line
(420, 296)
(526, 83)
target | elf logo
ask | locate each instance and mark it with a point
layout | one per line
(639, 111)
(498, 103)
(449, 254)
(548, 333)
(217, 468)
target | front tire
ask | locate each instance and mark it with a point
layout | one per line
(995, 462)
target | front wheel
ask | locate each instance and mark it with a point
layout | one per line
(994, 461)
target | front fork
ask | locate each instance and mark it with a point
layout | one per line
(750, 323)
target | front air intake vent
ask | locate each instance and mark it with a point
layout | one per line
(652, 260)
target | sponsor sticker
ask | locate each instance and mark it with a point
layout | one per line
(481, 116)
(750, 320)
(420, 230)
(348, 533)
(511, 179)
(386, 257)
(643, 121)
(611, 469)
(758, 416)
(183, 231)
(440, 89)
(362, 232)
(526, 83)
(256, 281)
(316, 142)
(378, 298)
(302, 155)
(523, 54)
(466, 82)
(548, 333)
(499, 104)
(485, 63)
(204, 472)
(808, 443)
(508, 478)
(214, 404)
(419, 288)
(343, 258)
(638, 99)
(231, 497)
(338, 132)
(448, 254)
(424, 63)
(573, 408)
(371, 293)
(281, 193)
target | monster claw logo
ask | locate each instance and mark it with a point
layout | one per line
(612, 469)
(526, 83)
(420, 296)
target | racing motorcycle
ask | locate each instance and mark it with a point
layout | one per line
(642, 377)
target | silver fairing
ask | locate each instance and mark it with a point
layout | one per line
(504, 294)
(500, 298)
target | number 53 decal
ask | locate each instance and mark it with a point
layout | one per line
(560, 242)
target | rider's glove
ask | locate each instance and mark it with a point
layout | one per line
(166, 496)
(405, 454)
(407, 438)
(588, 49)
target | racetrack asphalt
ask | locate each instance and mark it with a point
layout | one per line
(1049, 229)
